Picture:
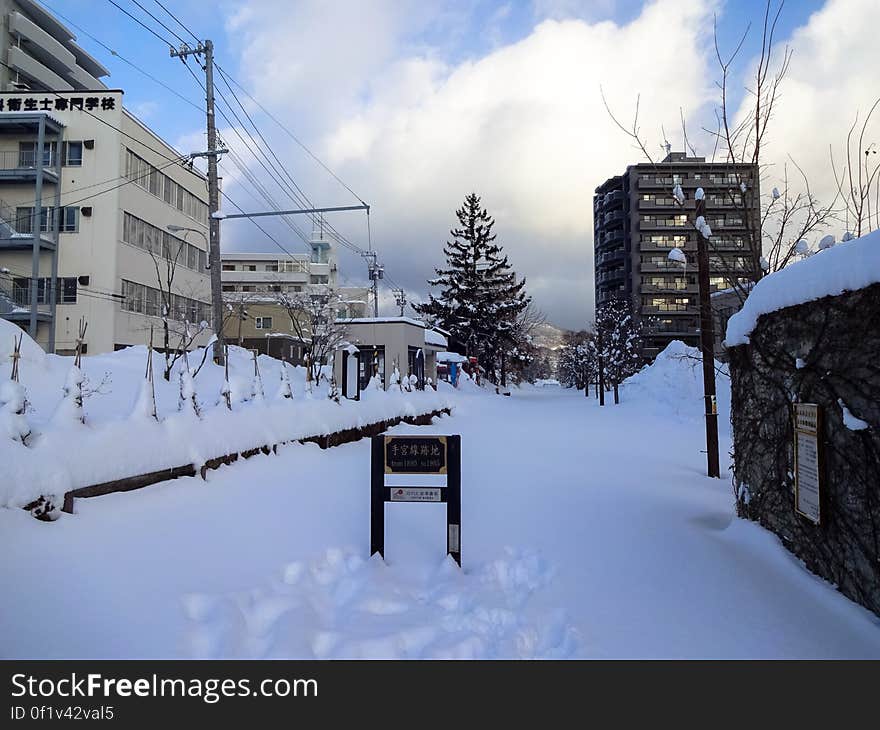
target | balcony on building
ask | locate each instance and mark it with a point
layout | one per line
(614, 199)
(21, 165)
(610, 240)
(15, 301)
(613, 218)
(610, 258)
(46, 55)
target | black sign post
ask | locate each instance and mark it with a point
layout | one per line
(416, 455)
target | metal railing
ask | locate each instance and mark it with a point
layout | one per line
(26, 160)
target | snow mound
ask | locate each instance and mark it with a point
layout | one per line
(850, 266)
(673, 384)
(341, 606)
(30, 350)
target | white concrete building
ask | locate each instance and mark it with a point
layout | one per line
(384, 343)
(102, 191)
(254, 283)
(40, 53)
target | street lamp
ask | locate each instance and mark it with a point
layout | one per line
(177, 229)
(216, 294)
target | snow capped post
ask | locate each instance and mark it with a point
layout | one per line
(70, 409)
(257, 394)
(285, 391)
(13, 401)
(187, 402)
(226, 389)
(145, 406)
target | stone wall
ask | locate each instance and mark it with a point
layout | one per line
(826, 352)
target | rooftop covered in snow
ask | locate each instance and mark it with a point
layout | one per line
(846, 267)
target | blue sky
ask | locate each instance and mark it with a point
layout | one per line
(416, 103)
(489, 24)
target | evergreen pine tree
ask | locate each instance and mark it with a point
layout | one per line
(480, 296)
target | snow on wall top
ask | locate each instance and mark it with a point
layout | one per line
(432, 337)
(846, 267)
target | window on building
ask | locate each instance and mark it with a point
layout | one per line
(69, 220)
(319, 279)
(151, 179)
(72, 154)
(228, 267)
(227, 287)
(263, 323)
(275, 287)
(248, 267)
(248, 287)
(272, 267)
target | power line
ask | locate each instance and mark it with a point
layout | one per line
(13, 222)
(158, 21)
(292, 136)
(121, 131)
(176, 20)
(122, 58)
(295, 192)
(142, 24)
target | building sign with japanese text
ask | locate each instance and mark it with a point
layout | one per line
(415, 454)
(808, 461)
(57, 103)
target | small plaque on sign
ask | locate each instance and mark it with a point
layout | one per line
(415, 454)
(415, 494)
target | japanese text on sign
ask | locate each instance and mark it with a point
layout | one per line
(415, 454)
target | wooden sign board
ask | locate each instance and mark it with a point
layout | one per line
(415, 454)
(808, 461)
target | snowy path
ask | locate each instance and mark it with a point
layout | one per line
(585, 533)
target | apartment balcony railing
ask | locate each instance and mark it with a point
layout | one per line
(655, 311)
(16, 230)
(663, 268)
(685, 327)
(671, 288)
(17, 165)
(610, 276)
(612, 218)
(653, 224)
(613, 257)
(614, 199)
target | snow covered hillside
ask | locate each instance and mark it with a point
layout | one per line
(586, 532)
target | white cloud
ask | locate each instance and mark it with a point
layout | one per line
(523, 125)
(371, 88)
(833, 76)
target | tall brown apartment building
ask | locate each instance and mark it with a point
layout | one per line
(638, 220)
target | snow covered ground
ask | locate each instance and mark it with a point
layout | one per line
(586, 532)
(63, 454)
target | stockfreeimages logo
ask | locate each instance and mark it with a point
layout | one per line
(209, 690)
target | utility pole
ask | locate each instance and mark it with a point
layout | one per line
(400, 299)
(707, 342)
(375, 272)
(207, 48)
